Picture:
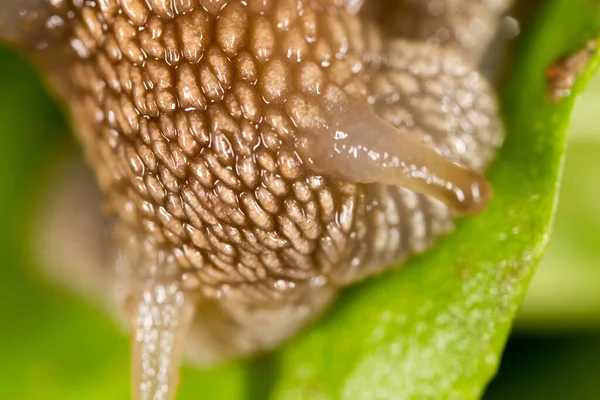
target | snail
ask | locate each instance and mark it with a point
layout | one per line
(257, 156)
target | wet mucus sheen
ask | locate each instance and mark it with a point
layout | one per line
(259, 155)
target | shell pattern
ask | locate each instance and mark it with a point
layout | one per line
(206, 123)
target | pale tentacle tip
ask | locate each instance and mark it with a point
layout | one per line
(473, 197)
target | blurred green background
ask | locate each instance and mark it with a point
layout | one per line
(554, 352)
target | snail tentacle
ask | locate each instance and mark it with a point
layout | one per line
(358, 146)
(162, 316)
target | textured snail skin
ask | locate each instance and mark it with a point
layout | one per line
(257, 156)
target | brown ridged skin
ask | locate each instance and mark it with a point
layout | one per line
(189, 113)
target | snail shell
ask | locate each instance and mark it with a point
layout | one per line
(257, 156)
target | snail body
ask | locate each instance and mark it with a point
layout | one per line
(257, 156)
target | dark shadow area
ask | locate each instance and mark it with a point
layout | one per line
(549, 367)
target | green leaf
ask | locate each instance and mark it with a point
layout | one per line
(434, 329)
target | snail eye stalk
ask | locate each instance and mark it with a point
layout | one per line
(358, 146)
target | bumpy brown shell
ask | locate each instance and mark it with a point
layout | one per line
(189, 112)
